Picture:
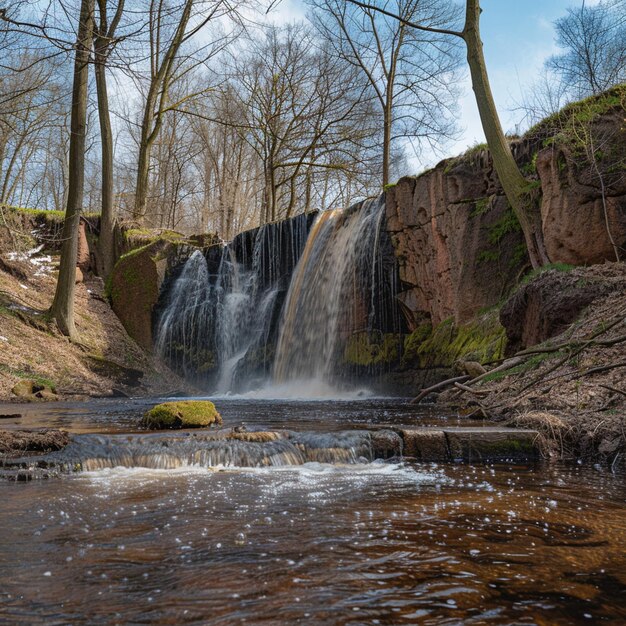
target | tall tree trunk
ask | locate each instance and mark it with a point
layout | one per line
(143, 164)
(62, 309)
(386, 141)
(513, 182)
(107, 218)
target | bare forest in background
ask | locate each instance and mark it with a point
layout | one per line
(202, 116)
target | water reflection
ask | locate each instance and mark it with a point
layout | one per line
(371, 544)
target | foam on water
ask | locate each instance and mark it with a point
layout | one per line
(311, 473)
(310, 389)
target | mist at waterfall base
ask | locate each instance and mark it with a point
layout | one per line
(276, 312)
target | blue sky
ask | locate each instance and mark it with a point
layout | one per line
(518, 36)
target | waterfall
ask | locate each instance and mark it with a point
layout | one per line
(308, 299)
(336, 293)
(219, 318)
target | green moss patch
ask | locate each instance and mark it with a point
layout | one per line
(184, 414)
(365, 350)
(482, 340)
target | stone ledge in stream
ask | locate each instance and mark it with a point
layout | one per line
(471, 445)
(264, 449)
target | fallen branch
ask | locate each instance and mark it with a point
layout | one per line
(613, 389)
(602, 368)
(573, 354)
(470, 390)
(508, 364)
(442, 385)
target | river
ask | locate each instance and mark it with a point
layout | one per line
(392, 542)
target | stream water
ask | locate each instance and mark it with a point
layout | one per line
(359, 543)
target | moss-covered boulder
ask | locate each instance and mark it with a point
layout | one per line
(33, 391)
(135, 283)
(184, 414)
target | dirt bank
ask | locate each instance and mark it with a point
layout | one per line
(572, 385)
(105, 362)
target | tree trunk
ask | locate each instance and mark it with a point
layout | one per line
(386, 140)
(513, 182)
(143, 165)
(62, 309)
(107, 218)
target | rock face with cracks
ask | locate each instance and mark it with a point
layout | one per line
(460, 247)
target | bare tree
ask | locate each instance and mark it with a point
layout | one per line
(231, 173)
(27, 115)
(62, 309)
(303, 112)
(411, 72)
(515, 186)
(104, 41)
(593, 40)
(171, 28)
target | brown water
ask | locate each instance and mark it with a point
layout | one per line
(375, 543)
(123, 415)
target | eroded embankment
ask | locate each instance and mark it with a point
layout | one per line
(565, 369)
(37, 363)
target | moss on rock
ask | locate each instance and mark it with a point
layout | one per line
(361, 349)
(133, 288)
(184, 414)
(413, 341)
(481, 340)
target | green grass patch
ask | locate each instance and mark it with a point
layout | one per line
(555, 267)
(581, 112)
(40, 380)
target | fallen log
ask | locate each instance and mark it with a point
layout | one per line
(442, 385)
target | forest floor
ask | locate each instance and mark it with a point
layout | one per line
(571, 387)
(104, 362)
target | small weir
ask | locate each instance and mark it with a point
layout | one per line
(222, 449)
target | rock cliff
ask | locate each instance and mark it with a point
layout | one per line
(458, 243)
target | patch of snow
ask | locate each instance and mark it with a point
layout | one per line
(43, 264)
(34, 251)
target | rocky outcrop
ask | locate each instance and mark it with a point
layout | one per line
(583, 184)
(135, 283)
(458, 243)
(456, 239)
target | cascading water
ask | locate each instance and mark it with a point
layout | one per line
(218, 449)
(342, 292)
(219, 318)
(293, 301)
